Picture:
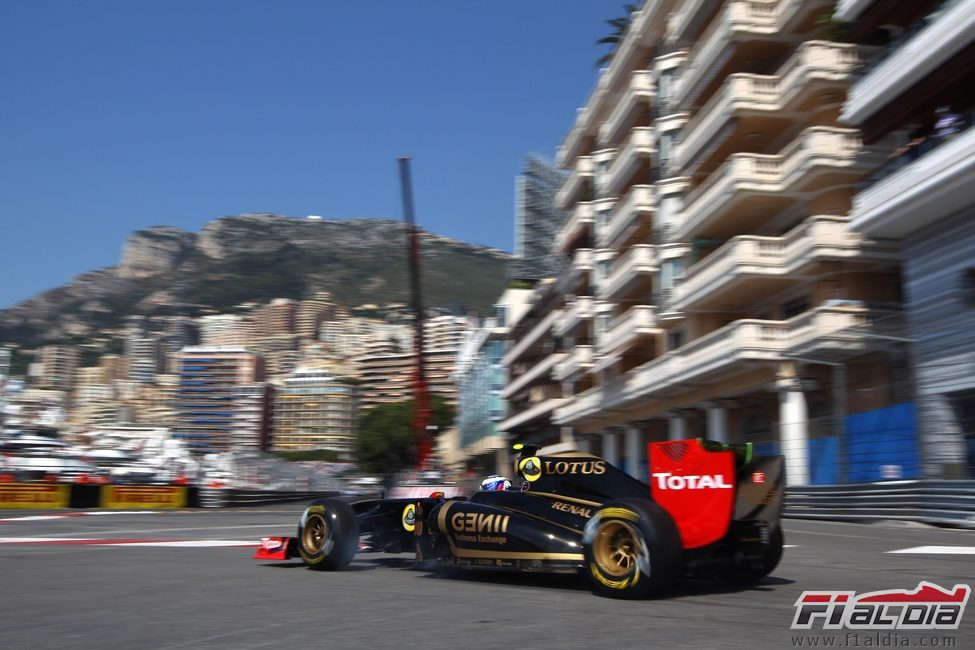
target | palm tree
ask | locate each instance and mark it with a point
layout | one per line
(619, 25)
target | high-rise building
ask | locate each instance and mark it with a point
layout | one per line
(315, 409)
(274, 319)
(537, 220)
(917, 89)
(387, 368)
(58, 364)
(223, 330)
(714, 287)
(312, 313)
(215, 396)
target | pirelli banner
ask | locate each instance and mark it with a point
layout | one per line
(125, 497)
(34, 495)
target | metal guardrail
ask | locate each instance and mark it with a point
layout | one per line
(232, 498)
(929, 501)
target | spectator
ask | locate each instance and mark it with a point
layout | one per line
(948, 123)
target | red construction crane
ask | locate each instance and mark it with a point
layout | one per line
(421, 397)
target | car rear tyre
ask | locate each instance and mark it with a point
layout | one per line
(328, 535)
(741, 573)
(632, 549)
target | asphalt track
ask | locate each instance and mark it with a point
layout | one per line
(87, 582)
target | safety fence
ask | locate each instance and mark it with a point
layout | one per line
(108, 496)
(931, 501)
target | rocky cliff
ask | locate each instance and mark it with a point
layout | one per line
(257, 258)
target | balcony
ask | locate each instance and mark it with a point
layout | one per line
(577, 313)
(747, 268)
(632, 271)
(578, 360)
(575, 277)
(634, 154)
(576, 184)
(720, 355)
(749, 104)
(934, 44)
(628, 329)
(832, 333)
(921, 192)
(740, 195)
(683, 19)
(533, 336)
(631, 218)
(531, 414)
(635, 99)
(541, 371)
(576, 227)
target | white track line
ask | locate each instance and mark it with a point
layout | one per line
(103, 541)
(203, 543)
(937, 550)
(72, 515)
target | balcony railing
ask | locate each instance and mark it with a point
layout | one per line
(636, 97)
(577, 270)
(541, 371)
(574, 314)
(582, 175)
(821, 237)
(577, 360)
(629, 328)
(530, 414)
(813, 60)
(636, 264)
(821, 329)
(816, 149)
(576, 225)
(639, 146)
(531, 337)
(628, 214)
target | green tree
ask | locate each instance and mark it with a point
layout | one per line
(619, 25)
(386, 443)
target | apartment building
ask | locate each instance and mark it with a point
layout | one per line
(223, 330)
(714, 287)
(388, 366)
(218, 402)
(56, 366)
(312, 313)
(274, 319)
(316, 409)
(917, 88)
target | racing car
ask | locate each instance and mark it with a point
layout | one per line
(710, 509)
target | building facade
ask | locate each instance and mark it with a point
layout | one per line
(917, 90)
(217, 404)
(316, 409)
(714, 287)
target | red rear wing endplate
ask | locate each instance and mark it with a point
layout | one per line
(696, 487)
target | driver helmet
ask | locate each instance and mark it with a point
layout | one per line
(495, 482)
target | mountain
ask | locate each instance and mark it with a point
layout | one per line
(257, 258)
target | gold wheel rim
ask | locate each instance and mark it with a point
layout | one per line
(314, 534)
(615, 548)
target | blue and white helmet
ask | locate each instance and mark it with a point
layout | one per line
(495, 482)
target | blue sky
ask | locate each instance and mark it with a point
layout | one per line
(117, 115)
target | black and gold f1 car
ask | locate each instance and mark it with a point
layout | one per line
(709, 509)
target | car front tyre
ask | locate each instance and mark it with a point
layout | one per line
(328, 535)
